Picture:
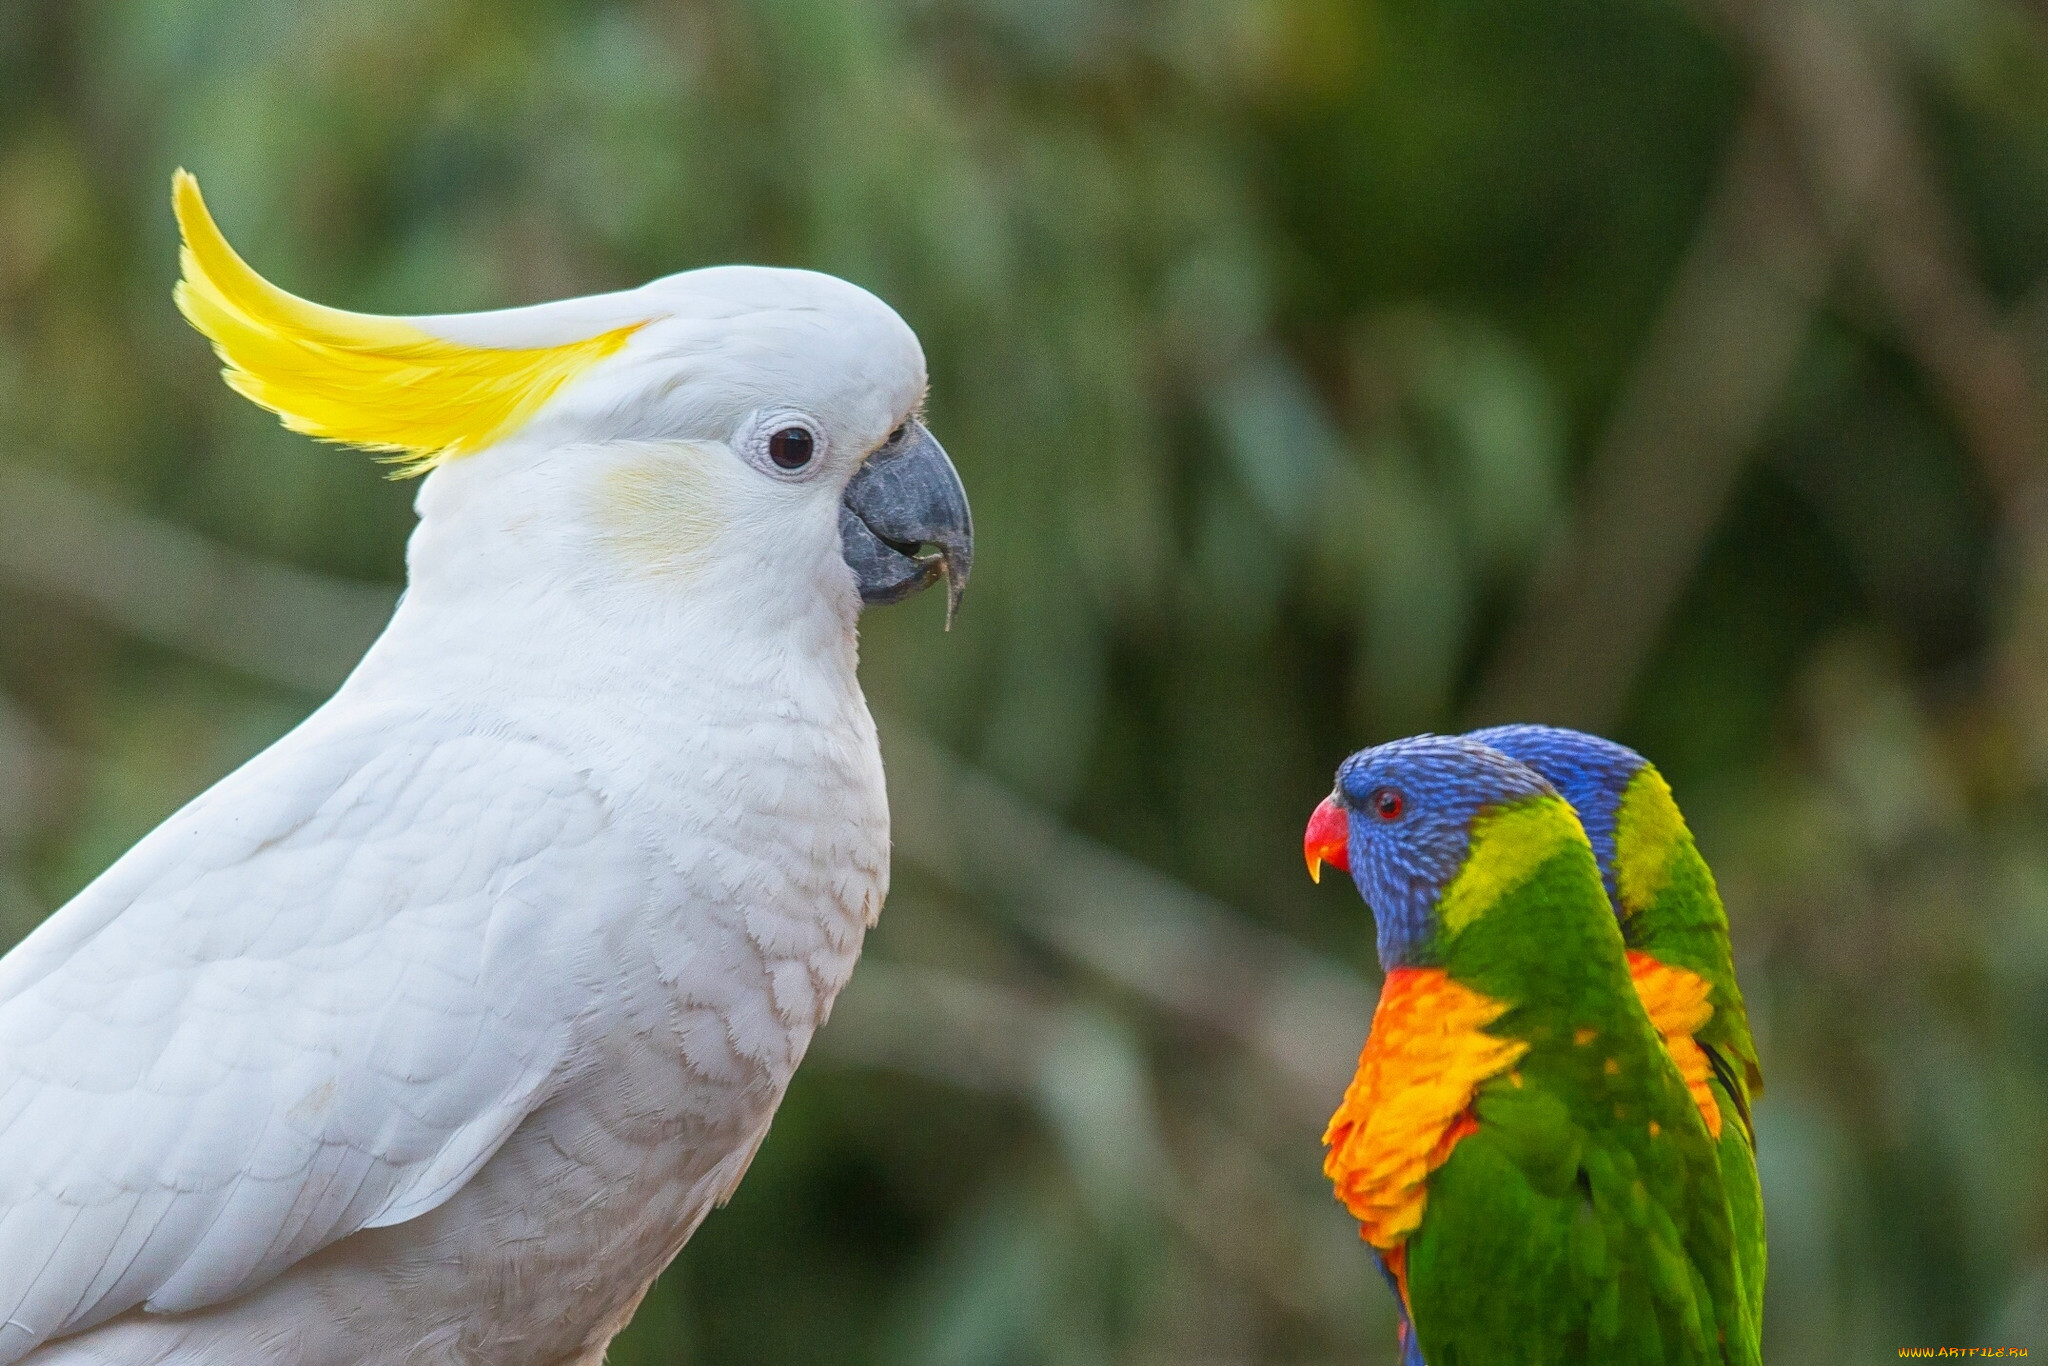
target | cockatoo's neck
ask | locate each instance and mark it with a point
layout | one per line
(651, 575)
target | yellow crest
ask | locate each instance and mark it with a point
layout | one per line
(355, 378)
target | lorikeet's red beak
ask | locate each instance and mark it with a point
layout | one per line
(1328, 839)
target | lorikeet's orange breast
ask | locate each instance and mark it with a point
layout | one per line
(1678, 1007)
(1411, 1100)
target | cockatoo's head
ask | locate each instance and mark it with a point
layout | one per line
(1402, 822)
(735, 421)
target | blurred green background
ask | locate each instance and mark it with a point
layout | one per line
(1321, 372)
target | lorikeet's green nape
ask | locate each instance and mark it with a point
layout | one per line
(1677, 931)
(1518, 1147)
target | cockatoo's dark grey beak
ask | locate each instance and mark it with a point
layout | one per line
(907, 495)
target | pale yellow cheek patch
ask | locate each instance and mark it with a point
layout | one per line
(1508, 846)
(659, 513)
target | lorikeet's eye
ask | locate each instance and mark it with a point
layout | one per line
(1388, 804)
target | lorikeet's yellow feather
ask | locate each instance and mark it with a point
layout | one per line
(1677, 1003)
(1646, 830)
(1508, 846)
(1409, 1103)
(356, 378)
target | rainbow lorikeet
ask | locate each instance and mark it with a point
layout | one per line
(1518, 1147)
(1677, 934)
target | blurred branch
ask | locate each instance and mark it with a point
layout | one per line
(176, 588)
(32, 768)
(1214, 1186)
(1180, 950)
(1827, 164)
(2020, 658)
(1686, 423)
(2030, 319)
(29, 763)
(973, 1035)
(1875, 184)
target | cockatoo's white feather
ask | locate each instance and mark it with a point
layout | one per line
(430, 1034)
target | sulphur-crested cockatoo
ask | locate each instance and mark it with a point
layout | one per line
(430, 1034)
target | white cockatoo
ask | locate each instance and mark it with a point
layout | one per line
(430, 1034)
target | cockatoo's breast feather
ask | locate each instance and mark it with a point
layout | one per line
(320, 999)
(305, 1005)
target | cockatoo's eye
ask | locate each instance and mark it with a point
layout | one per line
(791, 448)
(782, 443)
(1388, 803)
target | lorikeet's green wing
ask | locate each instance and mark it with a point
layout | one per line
(1592, 1147)
(1745, 1213)
(1672, 917)
(1671, 910)
(1518, 1144)
(1678, 1001)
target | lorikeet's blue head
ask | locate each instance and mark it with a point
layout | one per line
(1593, 775)
(1400, 822)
